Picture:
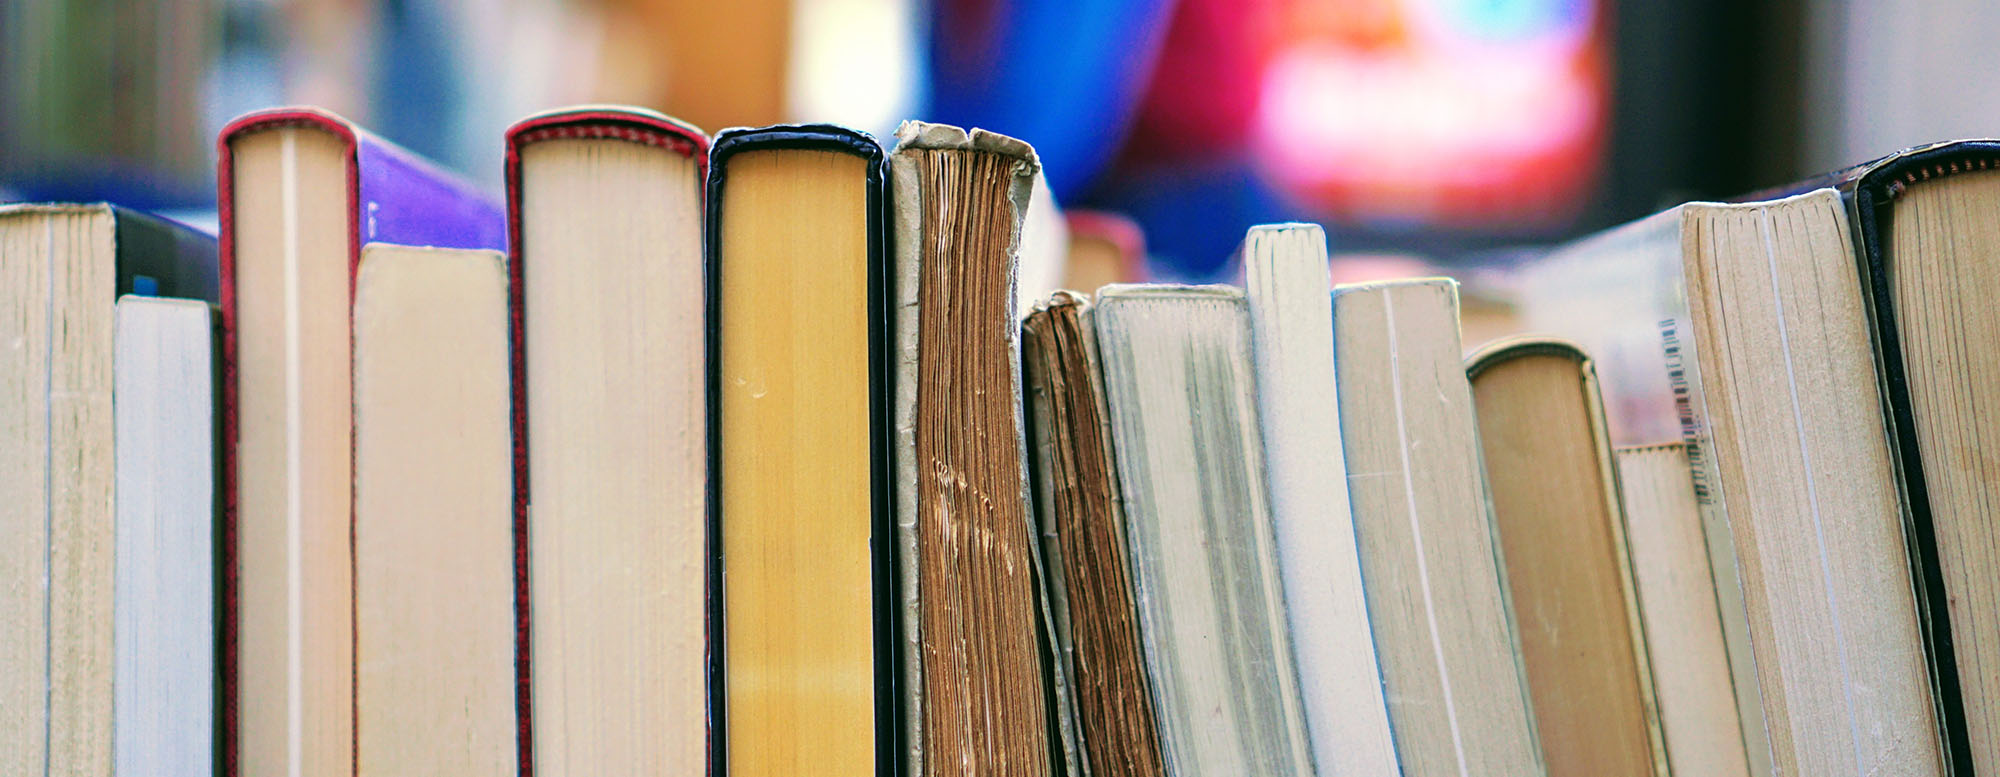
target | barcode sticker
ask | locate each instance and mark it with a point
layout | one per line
(1691, 431)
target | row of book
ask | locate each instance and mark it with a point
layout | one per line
(774, 453)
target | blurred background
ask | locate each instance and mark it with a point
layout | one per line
(1451, 130)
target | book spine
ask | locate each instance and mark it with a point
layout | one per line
(231, 599)
(888, 644)
(1869, 204)
(585, 123)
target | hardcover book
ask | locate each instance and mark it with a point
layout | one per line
(802, 630)
(610, 431)
(1561, 532)
(301, 191)
(974, 622)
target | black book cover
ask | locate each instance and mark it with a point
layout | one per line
(1871, 193)
(882, 543)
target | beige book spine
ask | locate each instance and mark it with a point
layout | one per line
(1438, 595)
(433, 491)
(1791, 413)
(1578, 741)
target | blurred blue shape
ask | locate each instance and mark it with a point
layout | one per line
(1194, 215)
(1508, 20)
(131, 184)
(418, 92)
(1064, 75)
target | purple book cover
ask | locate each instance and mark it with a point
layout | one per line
(404, 199)
(393, 196)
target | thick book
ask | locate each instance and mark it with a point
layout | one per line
(802, 625)
(1083, 529)
(1181, 394)
(1784, 399)
(1924, 220)
(1561, 532)
(300, 192)
(1765, 358)
(610, 432)
(1437, 590)
(107, 586)
(974, 621)
(1287, 285)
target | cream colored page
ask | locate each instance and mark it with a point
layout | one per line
(1805, 473)
(433, 514)
(295, 635)
(1941, 261)
(1677, 606)
(1436, 595)
(81, 488)
(26, 245)
(611, 259)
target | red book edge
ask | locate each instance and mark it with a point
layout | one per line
(226, 246)
(638, 126)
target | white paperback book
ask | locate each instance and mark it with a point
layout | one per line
(1181, 400)
(164, 613)
(1291, 332)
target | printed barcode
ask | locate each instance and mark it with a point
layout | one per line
(1684, 408)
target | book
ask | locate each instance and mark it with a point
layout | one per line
(1816, 535)
(1676, 591)
(1923, 218)
(1083, 531)
(610, 424)
(1182, 403)
(973, 620)
(1561, 532)
(802, 626)
(433, 499)
(300, 192)
(1437, 593)
(1291, 325)
(1785, 401)
(106, 428)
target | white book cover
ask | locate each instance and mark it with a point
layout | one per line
(1291, 331)
(164, 611)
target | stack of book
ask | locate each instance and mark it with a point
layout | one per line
(770, 454)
